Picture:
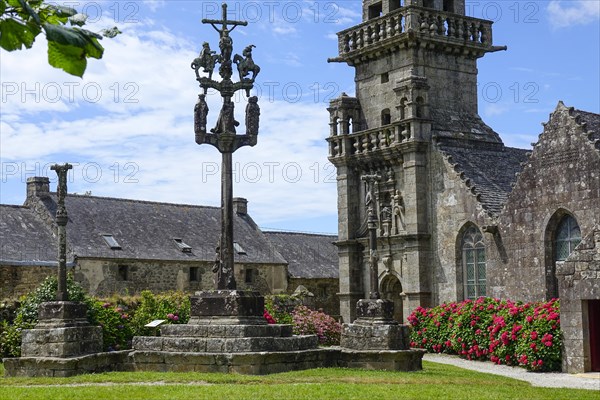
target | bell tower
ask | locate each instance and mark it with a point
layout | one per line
(416, 85)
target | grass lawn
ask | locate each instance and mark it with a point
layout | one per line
(436, 381)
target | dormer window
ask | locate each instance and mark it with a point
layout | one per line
(111, 242)
(239, 249)
(184, 247)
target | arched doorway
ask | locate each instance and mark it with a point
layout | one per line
(391, 289)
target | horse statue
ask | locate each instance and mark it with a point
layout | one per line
(245, 64)
(207, 60)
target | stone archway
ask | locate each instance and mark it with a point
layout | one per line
(391, 289)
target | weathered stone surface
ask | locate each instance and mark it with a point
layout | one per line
(217, 307)
(375, 337)
(378, 311)
(401, 360)
(61, 314)
(61, 342)
(63, 367)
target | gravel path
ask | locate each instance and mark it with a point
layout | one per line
(590, 381)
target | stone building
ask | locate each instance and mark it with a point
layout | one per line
(460, 215)
(126, 246)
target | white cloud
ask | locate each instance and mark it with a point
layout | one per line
(564, 14)
(494, 109)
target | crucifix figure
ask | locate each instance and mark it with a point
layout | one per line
(224, 137)
(61, 220)
(372, 221)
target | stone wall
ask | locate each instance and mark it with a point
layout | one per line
(105, 277)
(579, 282)
(324, 290)
(18, 280)
(561, 177)
(453, 210)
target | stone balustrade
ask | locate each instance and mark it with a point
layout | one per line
(424, 21)
(371, 140)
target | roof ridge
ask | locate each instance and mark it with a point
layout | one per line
(273, 230)
(137, 201)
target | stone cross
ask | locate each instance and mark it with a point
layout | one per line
(223, 136)
(61, 220)
(372, 221)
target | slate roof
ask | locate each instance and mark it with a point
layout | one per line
(24, 237)
(488, 172)
(309, 255)
(146, 230)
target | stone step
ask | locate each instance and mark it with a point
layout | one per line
(226, 331)
(224, 344)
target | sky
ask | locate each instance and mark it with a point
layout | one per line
(127, 126)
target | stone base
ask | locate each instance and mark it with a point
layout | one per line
(253, 363)
(63, 367)
(375, 337)
(372, 312)
(62, 331)
(227, 307)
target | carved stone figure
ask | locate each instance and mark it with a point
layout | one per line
(398, 212)
(252, 116)
(245, 64)
(226, 121)
(200, 113)
(206, 60)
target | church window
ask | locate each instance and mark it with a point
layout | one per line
(473, 259)
(385, 77)
(386, 118)
(428, 4)
(449, 5)
(568, 236)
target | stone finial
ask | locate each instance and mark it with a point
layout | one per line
(38, 187)
(240, 205)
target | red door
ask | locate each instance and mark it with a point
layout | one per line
(594, 322)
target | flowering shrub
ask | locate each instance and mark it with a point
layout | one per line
(310, 322)
(503, 332)
(281, 306)
(268, 317)
(114, 320)
(172, 307)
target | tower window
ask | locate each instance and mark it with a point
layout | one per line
(449, 5)
(375, 10)
(386, 118)
(385, 77)
(428, 4)
(568, 236)
(473, 260)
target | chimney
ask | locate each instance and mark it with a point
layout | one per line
(240, 205)
(38, 187)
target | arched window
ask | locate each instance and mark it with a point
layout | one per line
(568, 236)
(473, 260)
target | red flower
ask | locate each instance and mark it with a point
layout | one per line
(534, 335)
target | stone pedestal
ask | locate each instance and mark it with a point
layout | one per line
(63, 343)
(62, 331)
(228, 333)
(376, 341)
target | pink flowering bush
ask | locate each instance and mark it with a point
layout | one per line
(173, 307)
(268, 317)
(503, 332)
(311, 322)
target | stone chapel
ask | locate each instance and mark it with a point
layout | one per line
(460, 215)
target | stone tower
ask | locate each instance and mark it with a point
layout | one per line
(416, 85)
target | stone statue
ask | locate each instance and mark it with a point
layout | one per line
(206, 60)
(245, 64)
(252, 116)
(398, 212)
(200, 113)
(391, 176)
(226, 121)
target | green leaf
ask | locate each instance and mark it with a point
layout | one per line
(30, 11)
(2, 6)
(14, 35)
(64, 36)
(62, 11)
(69, 58)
